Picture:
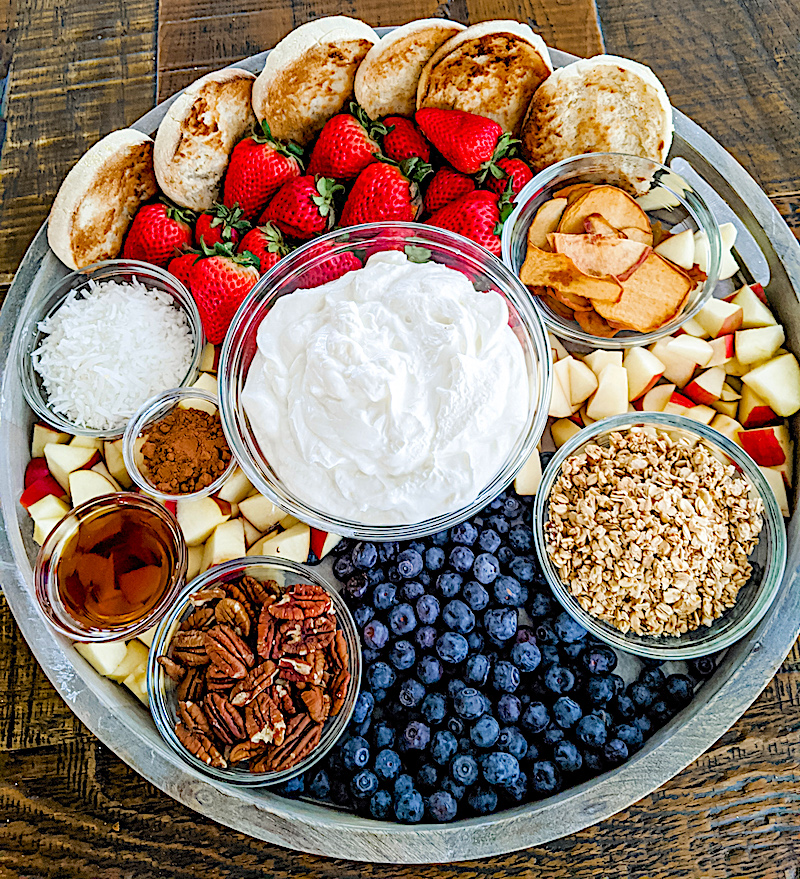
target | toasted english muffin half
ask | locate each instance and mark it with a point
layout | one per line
(196, 136)
(492, 69)
(387, 79)
(601, 104)
(308, 77)
(97, 200)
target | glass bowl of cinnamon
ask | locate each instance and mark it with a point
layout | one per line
(174, 447)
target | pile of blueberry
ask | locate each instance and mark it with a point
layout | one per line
(478, 693)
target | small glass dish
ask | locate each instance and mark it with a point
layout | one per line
(123, 271)
(306, 267)
(150, 414)
(768, 558)
(683, 208)
(136, 515)
(161, 688)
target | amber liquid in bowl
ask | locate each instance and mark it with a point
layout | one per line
(115, 568)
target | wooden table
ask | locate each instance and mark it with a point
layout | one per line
(69, 807)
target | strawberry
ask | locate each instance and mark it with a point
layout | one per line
(513, 171)
(157, 232)
(181, 266)
(346, 145)
(303, 206)
(404, 141)
(219, 282)
(266, 244)
(446, 185)
(478, 215)
(220, 225)
(258, 167)
(329, 267)
(386, 191)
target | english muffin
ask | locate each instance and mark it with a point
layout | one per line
(600, 104)
(309, 76)
(98, 198)
(195, 138)
(387, 79)
(491, 69)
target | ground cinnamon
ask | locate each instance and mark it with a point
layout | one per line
(185, 451)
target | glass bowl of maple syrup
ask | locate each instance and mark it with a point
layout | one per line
(110, 568)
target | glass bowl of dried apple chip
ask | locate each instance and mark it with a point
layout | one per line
(618, 250)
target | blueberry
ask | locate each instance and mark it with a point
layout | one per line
(380, 675)
(469, 704)
(535, 718)
(599, 690)
(434, 558)
(293, 787)
(417, 735)
(393, 575)
(375, 634)
(486, 568)
(630, 734)
(364, 555)
(653, 678)
(379, 693)
(464, 769)
(411, 590)
(402, 619)
(476, 669)
(520, 538)
(461, 559)
(355, 753)
(411, 693)
(403, 784)
(525, 634)
(402, 655)
(425, 637)
(624, 706)
(546, 634)
(363, 614)
(380, 804)
(364, 784)
(449, 583)
(476, 595)
(440, 538)
(505, 555)
(511, 741)
(443, 746)
(505, 677)
(409, 808)
(465, 533)
(526, 656)
(475, 641)
(417, 546)
(567, 756)
(539, 604)
(357, 584)
(320, 785)
(508, 591)
(454, 687)
(641, 695)
(343, 567)
(566, 712)
(679, 689)
(498, 524)
(452, 647)
(498, 767)
(644, 725)
(424, 579)
(661, 711)
(615, 751)
(545, 777)
(568, 630)
(517, 789)
(559, 679)
(702, 667)
(550, 655)
(434, 708)
(482, 800)
(442, 806)
(501, 623)
(387, 551)
(508, 708)
(522, 568)
(427, 776)
(458, 617)
(552, 735)
(429, 670)
(427, 608)
(383, 735)
(593, 761)
(409, 563)
(599, 659)
(591, 730)
(455, 725)
(365, 702)
(453, 787)
(484, 732)
(512, 507)
(489, 540)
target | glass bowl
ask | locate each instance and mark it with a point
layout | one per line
(421, 243)
(161, 688)
(153, 517)
(768, 558)
(149, 276)
(152, 412)
(683, 208)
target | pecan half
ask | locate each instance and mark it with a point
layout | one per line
(199, 744)
(266, 633)
(282, 695)
(308, 669)
(228, 651)
(298, 744)
(338, 690)
(235, 591)
(202, 618)
(264, 721)
(338, 650)
(259, 592)
(193, 685)
(217, 681)
(189, 648)
(172, 669)
(301, 602)
(193, 717)
(256, 681)
(318, 703)
(224, 718)
(206, 596)
(233, 614)
(246, 751)
(309, 635)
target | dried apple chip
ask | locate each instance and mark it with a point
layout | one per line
(612, 203)
(600, 256)
(591, 322)
(559, 271)
(559, 308)
(546, 221)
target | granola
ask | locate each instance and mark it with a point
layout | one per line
(652, 534)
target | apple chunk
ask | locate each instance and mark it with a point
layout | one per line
(134, 661)
(754, 411)
(644, 370)
(582, 382)
(656, 399)
(720, 318)
(728, 426)
(778, 382)
(63, 459)
(563, 430)
(754, 312)
(260, 512)
(707, 387)
(198, 517)
(723, 348)
(767, 446)
(116, 463)
(677, 368)
(293, 544)
(529, 476)
(611, 396)
(678, 249)
(104, 656)
(759, 343)
(87, 484)
(322, 542)
(778, 486)
(226, 543)
(236, 488)
(43, 434)
(40, 489)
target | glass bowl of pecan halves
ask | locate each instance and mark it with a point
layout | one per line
(254, 674)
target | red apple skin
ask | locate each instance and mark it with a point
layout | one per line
(730, 325)
(39, 489)
(95, 459)
(760, 416)
(318, 541)
(680, 400)
(576, 419)
(638, 403)
(37, 469)
(172, 506)
(217, 352)
(763, 447)
(699, 394)
(224, 506)
(649, 387)
(759, 291)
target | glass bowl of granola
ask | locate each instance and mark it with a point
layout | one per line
(254, 674)
(659, 535)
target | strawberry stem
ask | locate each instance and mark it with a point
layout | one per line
(506, 148)
(373, 128)
(176, 213)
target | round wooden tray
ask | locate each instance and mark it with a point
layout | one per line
(769, 251)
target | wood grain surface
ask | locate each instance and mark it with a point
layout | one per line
(76, 70)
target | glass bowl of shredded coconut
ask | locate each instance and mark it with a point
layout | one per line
(385, 381)
(103, 341)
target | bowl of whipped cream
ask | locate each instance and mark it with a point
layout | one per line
(385, 381)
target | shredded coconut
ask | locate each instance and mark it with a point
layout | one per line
(104, 354)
